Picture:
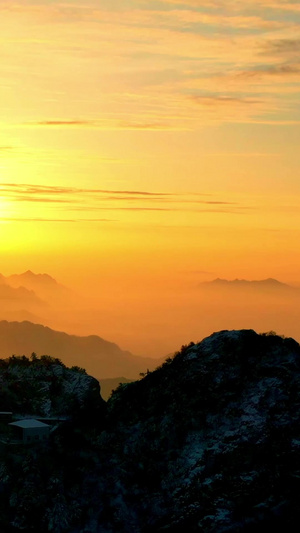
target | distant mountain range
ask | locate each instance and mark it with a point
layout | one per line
(19, 295)
(101, 359)
(269, 284)
(30, 296)
(29, 278)
(28, 300)
(110, 384)
(42, 284)
(30, 288)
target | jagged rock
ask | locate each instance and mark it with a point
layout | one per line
(210, 440)
(45, 387)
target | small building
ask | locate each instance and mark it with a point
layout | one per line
(30, 430)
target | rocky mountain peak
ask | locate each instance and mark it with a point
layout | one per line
(223, 419)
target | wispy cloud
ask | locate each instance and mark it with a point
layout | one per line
(87, 200)
(6, 149)
(106, 125)
(63, 123)
(40, 199)
(281, 70)
(131, 65)
(41, 219)
(147, 126)
(52, 189)
(284, 5)
(286, 47)
(222, 100)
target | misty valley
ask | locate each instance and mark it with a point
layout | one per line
(95, 439)
(145, 320)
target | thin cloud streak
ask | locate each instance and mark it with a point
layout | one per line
(102, 199)
(52, 189)
(63, 123)
(283, 5)
(238, 210)
(40, 219)
(40, 200)
(212, 100)
(108, 125)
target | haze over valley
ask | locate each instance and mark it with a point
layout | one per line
(147, 325)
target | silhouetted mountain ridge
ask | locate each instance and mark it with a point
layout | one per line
(268, 283)
(43, 283)
(31, 276)
(19, 295)
(110, 384)
(101, 358)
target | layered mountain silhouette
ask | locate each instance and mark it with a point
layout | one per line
(101, 358)
(42, 284)
(28, 288)
(28, 278)
(269, 284)
(19, 295)
(34, 297)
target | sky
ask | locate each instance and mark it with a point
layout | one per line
(147, 145)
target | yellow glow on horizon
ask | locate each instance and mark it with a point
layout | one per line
(142, 142)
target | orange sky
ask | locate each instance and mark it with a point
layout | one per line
(146, 145)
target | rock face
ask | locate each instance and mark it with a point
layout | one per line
(209, 442)
(45, 387)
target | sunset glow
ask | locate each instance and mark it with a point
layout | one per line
(148, 146)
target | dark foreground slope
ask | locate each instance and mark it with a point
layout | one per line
(209, 442)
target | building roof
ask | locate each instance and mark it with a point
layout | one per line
(29, 423)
